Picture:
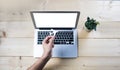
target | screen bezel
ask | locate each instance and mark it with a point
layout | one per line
(77, 18)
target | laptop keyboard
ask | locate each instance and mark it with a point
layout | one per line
(61, 37)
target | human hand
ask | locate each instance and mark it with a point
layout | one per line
(48, 44)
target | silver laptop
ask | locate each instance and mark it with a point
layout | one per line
(63, 25)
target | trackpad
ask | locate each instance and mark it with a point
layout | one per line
(57, 51)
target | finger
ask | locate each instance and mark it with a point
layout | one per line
(46, 39)
(51, 41)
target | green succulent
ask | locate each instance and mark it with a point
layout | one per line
(91, 24)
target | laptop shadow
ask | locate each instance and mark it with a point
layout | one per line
(82, 33)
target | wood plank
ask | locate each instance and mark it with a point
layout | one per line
(16, 47)
(99, 47)
(83, 63)
(17, 29)
(87, 47)
(101, 13)
(102, 68)
(2, 29)
(19, 11)
(1, 34)
(102, 10)
(27, 62)
(104, 30)
(9, 63)
(26, 29)
(62, 5)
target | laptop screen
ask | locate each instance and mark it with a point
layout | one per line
(55, 20)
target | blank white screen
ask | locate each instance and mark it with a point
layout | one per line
(55, 20)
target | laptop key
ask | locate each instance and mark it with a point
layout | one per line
(61, 37)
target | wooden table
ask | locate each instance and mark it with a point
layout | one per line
(98, 50)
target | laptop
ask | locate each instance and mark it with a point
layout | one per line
(63, 25)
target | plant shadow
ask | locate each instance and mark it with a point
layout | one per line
(82, 33)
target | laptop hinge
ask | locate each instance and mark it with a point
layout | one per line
(55, 28)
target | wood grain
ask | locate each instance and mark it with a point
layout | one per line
(106, 30)
(16, 47)
(9, 63)
(87, 47)
(83, 63)
(99, 47)
(100, 9)
(98, 50)
(26, 29)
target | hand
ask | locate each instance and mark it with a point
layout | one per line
(48, 44)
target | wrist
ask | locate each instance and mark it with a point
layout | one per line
(46, 56)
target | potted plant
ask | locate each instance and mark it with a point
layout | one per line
(91, 24)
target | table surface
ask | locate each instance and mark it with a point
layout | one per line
(98, 50)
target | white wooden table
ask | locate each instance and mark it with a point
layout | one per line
(98, 50)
